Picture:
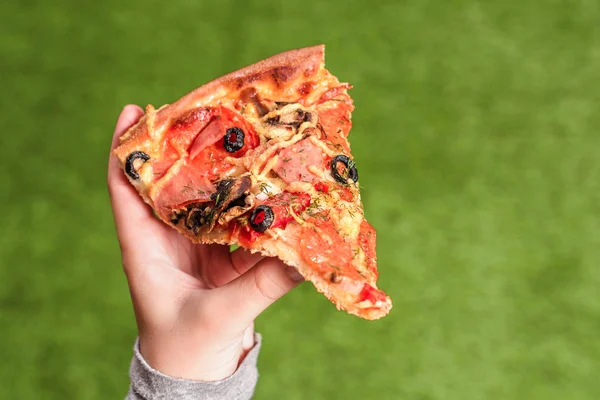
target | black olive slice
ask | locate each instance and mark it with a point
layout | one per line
(262, 218)
(349, 172)
(130, 168)
(234, 139)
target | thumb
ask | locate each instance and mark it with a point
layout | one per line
(244, 298)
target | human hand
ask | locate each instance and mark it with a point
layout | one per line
(195, 305)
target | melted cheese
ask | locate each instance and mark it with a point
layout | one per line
(316, 171)
(301, 187)
(270, 164)
(348, 222)
(323, 147)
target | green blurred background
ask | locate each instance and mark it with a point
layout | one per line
(476, 137)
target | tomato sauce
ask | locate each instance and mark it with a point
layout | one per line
(368, 292)
(367, 241)
(245, 235)
(321, 187)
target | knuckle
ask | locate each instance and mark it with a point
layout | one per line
(236, 263)
(266, 286)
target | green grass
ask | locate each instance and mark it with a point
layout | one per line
(476, 137)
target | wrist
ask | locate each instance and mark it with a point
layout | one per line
(197, 361)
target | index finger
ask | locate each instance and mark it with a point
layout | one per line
(130, 212)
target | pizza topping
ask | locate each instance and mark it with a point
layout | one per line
(321, 187)
(250, 95)
(347, 221)
(280, 210)
(245, 235)
(234, 139)
(236, 133)
(176, 217)
(288, 120)
(291, 115)
(130, 162)
(371, 297)
(367, 241)
(188, 134)
(207, 136)
(265, 189)
(201, 216)
(318, 172)
(325, 249)
(335, 277)
(293, 214)
(209, 151)
(181, 185)
(346, 194)
(229, 190)
(294, 162)
(229, 195)
(335, 120)
(195, 219)
(236, 208)
(326, 150)
(262, 218)
(334, 92)
(305, 88)
(347, 172)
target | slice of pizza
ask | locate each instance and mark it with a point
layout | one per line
(260, 158)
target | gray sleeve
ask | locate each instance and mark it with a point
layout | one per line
(149, 384)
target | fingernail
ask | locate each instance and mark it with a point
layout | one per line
(294, 275)
(129, 108)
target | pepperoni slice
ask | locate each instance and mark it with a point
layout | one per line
(188, 185)
(160, 167)
(334, 92)
(211, 161)
(214, 131)
(336, 123)
(326, 251)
